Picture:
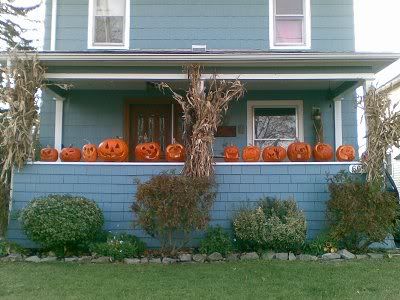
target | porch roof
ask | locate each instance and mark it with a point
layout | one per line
(375, 61)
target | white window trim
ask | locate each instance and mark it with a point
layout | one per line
(307, 28)
(125, 46)
(297, 104)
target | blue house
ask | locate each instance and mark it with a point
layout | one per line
(292, 55)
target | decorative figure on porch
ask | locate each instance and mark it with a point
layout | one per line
(382, 120)
(113, 150)
(203, 110)
(251, 153)
(231, 153)
(70, 154)
(175, 152)
(89, 152)
(274, 153)
(299, 151)
(321, 151)
(48, 154)
(345, 153)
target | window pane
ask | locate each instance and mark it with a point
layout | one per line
(289, 7)
(275, 123)
(289, 31)
(109, 30)
(264, 143)
(110, 8)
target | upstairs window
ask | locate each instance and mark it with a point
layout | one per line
(108, 24)
(290, 24)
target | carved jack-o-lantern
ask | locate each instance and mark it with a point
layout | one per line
(48, 154)
(113, 150)
(175, 152)
(70, 154)
(299, 151)
(274, 153)
(148, 152)
(323, 152)
(251, 153)
(346, 153)
(89, 152)
(231, 154)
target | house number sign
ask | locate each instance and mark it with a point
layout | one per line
(357, 169)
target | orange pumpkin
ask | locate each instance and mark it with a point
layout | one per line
(70, 154)
(346, 153)
(274, 153)
(148, 152)
(175, 152)
(231, 153)
(48, 154)
(89, 152)
(299, 151)
(251, 153)
(323, 152)
(113, 150)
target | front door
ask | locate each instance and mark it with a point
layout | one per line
(149, 123)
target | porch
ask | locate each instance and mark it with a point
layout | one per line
(109, 90)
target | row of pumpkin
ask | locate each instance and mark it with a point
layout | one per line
(117, 150)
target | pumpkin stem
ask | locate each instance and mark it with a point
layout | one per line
(173, 141)
(87, 141)
(145, 138)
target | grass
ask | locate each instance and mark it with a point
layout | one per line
(369, 279)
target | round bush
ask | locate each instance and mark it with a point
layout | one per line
(59, 221)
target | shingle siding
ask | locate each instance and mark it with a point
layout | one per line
(113, 188)
(222, 24)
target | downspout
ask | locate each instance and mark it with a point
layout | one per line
(53, 25)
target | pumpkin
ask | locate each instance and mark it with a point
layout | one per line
(48, 154)
(89, 152)
(70, 154)
(323, 152)
(231, 153)
(274, 153)
(113, 150)
(148, 152)
(251, 153)
(299, 151)
(346, 153)
(175, 152)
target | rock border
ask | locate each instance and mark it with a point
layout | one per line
(341, 255)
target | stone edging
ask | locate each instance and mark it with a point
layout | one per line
(341, 255)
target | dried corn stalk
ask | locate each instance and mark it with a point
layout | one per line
(383, 131)
(202, 113)
(22, 79)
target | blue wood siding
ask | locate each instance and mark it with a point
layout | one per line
(96, 115)
(113, 187)
(221, 24)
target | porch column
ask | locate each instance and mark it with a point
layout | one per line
(58, 122)
(338, 121)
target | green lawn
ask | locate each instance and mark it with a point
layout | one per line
(369, 279)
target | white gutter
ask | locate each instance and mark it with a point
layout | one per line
(53, 25)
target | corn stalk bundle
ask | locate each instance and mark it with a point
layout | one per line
(383, 131)
(203, 111)
(22, 79)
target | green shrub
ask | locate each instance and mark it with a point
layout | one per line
(275, 224)
(249, 229)
(61, 222)
(119, 247)
(170, 207)
(216, 240)
(322, 243)
(285, 226)
(7, 248)
(359, 213)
